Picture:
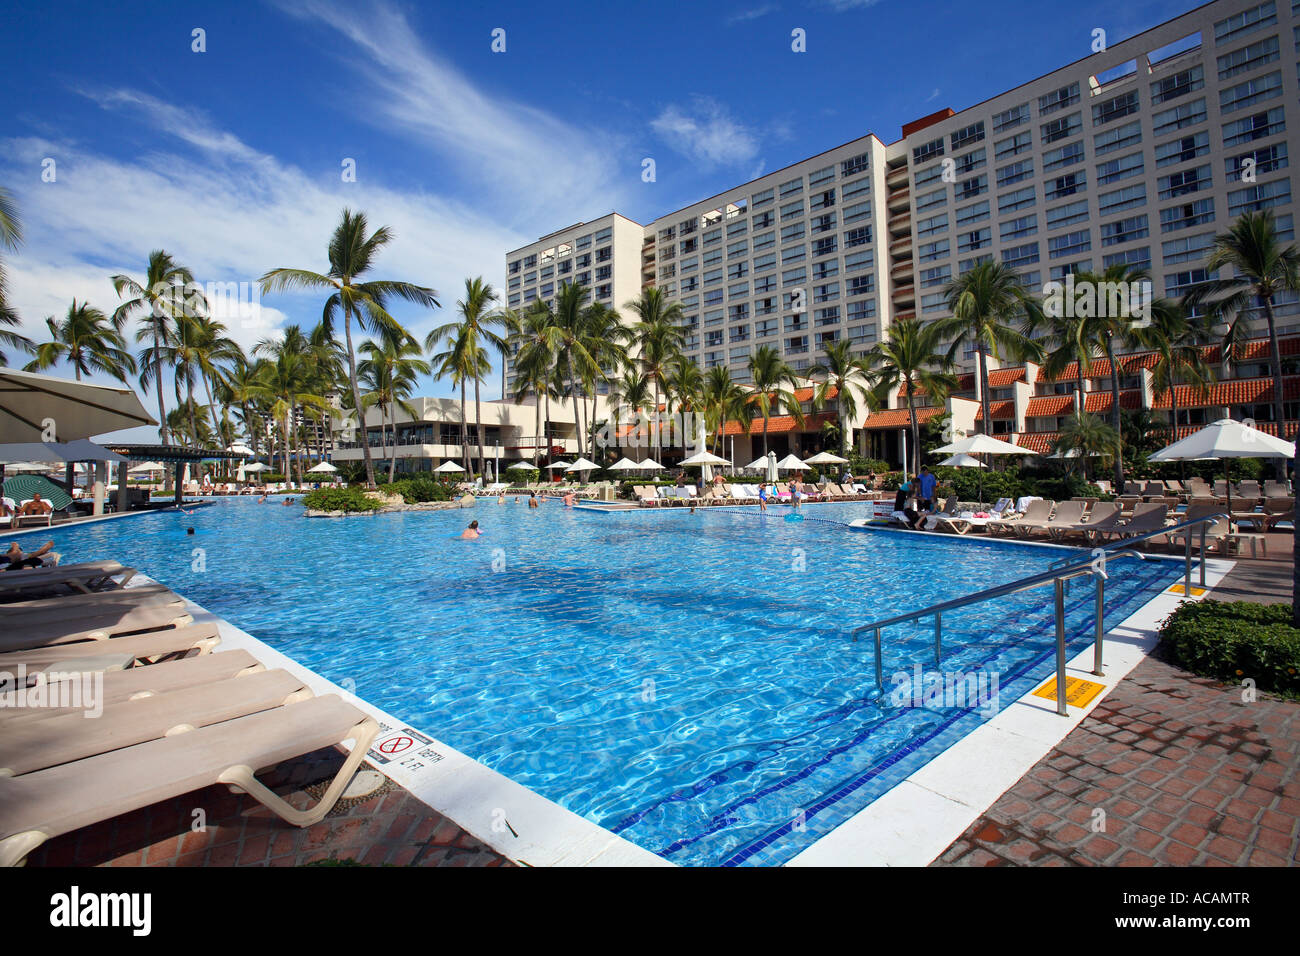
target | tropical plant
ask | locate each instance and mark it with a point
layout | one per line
(534, 362)
(352, 253)
(1083, 437)
(841, 376)
(657, 339)
(11, 238)
(911, 356)
(389, 373)
(86, 340)
(774, 384)
(1178, 339)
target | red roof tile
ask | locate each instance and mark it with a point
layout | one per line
(1242, 391)
(1002, 409)
(898, 417)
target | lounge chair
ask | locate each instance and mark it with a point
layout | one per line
(1101, 515)
(20, 519)
(47, 633)
(1277, 510)
(1215, 534)
(83, 578)
(1067, 515)
(1196, 487)
(39, 805)
(1103, 486)
(1174, 487)
(117, 653)
(1248, 490)
(61, 739)
(63, 607)
(1276, 489)
(1036, 514)
(1153, 489)
(1221, 488)
(1145, 518)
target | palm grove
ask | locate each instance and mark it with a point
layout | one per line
(296, 388)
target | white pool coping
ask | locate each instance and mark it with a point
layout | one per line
(908, 825)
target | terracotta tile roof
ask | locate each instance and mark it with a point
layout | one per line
(1093, 402)
(1002, 377)
(1242, 391)
(965, 383)
(1049, 405)
(1002, 409)
(1040, 442)
(898, 417)
(806, 394)
(779, 424)
(1257, 350)
(1100, 367)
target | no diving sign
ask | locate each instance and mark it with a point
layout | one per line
(399, 745)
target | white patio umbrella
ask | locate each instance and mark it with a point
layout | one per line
(826, 458)
(982, 445)
(705, 461)
(770, 466)
(758, 464)
(447, 467)
(29, 399)
(241, 449)
(963, 461)
(257, 466)
(583, 464)
(519, 464)
(19, 467)
(148, 466)
(651, 465)
(323, 468)
(791, 463)
(625, 464)
(1226, 439)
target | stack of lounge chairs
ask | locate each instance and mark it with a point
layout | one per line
(176, 717)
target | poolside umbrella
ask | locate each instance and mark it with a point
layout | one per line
(21, 467)
(147, 466)
(771, 466)
(791, 463)
(982, 445)
(651, 465)
(705, 460)
(323, 467)
(447, 467)
(22, 487)
(583, 464)
(257, 466)
(625, 464)
(1226, 439)
(557, 464)
(963, 461)
(758, 464)
(826, 458)
(240, 449)
(28, 400)
(519, 464)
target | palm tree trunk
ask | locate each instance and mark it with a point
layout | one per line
(392, 462)
(464, 434)
(356, 397)
(916, 434)
(984, 389)
(478, 414)
(1275, 367)
(537, 431)
(1114, 416)
(764, 434)
(157, 382)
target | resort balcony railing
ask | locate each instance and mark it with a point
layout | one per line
(1059, 574)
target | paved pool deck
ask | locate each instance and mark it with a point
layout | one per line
(1169, 769)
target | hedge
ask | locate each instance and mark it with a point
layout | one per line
(340, 499)
(1232, 641)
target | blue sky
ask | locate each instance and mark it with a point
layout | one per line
(231, 158)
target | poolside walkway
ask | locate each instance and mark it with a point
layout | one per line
(390, 828)
(1182, 771)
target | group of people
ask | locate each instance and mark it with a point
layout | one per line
(915, 499)
(36, 506)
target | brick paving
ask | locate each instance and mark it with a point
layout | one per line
(391, 828)
(1186, 773)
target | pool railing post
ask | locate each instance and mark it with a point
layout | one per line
(1060, 649)
(880, 677)
(938, 637)
(1204, 527)
(1187, 567)
(1101, 626)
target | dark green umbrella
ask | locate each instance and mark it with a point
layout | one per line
(22, 487)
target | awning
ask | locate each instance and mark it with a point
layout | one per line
(30, 403)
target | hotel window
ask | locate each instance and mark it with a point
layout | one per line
(864, 309)
(826, 223)
(794, 254)
(530, 278)
(1130, 197)
(1179, 117)
(712, 277)
(1177, 283)
(927, 152)
(514, 267)
(1114, 170)
(584, 242)
(1183, 149)
(514, 284)
(1066, 185)
(712, 339)
(973, 213)
(1183, 182)
(792, 210)
(791, 187)
(603, 236)
(1018, 228)
(1058, 99)
(929, 200)
(665, 272)
(926, 176)
(737, 270)
(689, 264)
(966, 265)
(1248, 58)
(966, 135)
(1247, 21)
(1063, 128)
(826, 268)
(1017, 256)
(796, 345)
(1013, 145)
(764, 219)
(1253, 91)
(858, 261)
(858, 188)
(1067, 155)
(1262, 196)
(1187, 215)
(853, 165)
(1015, 172)
(824, 247)
(687, 226)
(1136, 258)
(821, 200)
(737, 229)
(758, 200)
(547, 273)
(971, 161)
(1009, 119)
(666, 234)
(1186, 249)
(603, 291)
(712, 237)
(514, 300)
(1115, 108)
(937, 275)
(1058, 273)
(584, 260)
(739, 333)
(566, 267)
(1124, 230)
(604, 255)
(766, 241)
(530, 262)
(861, 285)
(974, 240)
(1178, 84)
(713, 316)
(1069, 244)
(1118, 138)
(689, 245)
(826, 293)
(582, 278)
(604, 272)
(690, 283)
(764, 263)
(818, 176)
(1250, 128)
(928, 227)
(1020, 199)
(765, 328)
(970, 188)
(857, 237)
(1266, 159)
(765, 306)
(792, 233)
(792, 276)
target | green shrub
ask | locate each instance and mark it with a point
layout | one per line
(340, 499)
(417, 490)
(1231, 641)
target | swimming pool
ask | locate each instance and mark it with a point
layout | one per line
(684, 680)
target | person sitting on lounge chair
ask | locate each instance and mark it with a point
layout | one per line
(37, 506)
(15, 560)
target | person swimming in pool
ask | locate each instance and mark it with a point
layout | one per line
(532, 500)
(472, 533)
(762, 497)
(568, 499)
(501, 498)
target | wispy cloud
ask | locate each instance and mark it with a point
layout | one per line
(842, 6)
(705, 131)
(933, 96)
(754, 13)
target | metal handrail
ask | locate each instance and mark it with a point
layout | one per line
(1054, 577)
(1204, 522)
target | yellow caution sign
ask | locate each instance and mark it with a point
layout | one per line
(1078, 692)
(1196, 592)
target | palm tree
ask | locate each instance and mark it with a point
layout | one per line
(236, 385)
(511, 324)
(162, 300)
(534, 360)
(983, 303)
(390, 370)
(11, 237)
(87, 341)
(479, 328)
(198, 347)
(571, 337)
(608, 337)
(774, 383)
(724, 399)
(1260, 267)
(1086, 436)
(685, 392)
(911, 355)
(282, 383)
(657, 336)
(845, 375)
(1069, 341)
(464, 361)
(630, 391)
(352, 254)
(1178, 340)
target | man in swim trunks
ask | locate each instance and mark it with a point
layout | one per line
(37, 506)
(532, 500)
(15, 560)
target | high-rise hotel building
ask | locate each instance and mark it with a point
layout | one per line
(1138, 154)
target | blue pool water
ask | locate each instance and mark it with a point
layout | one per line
(687, 681)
